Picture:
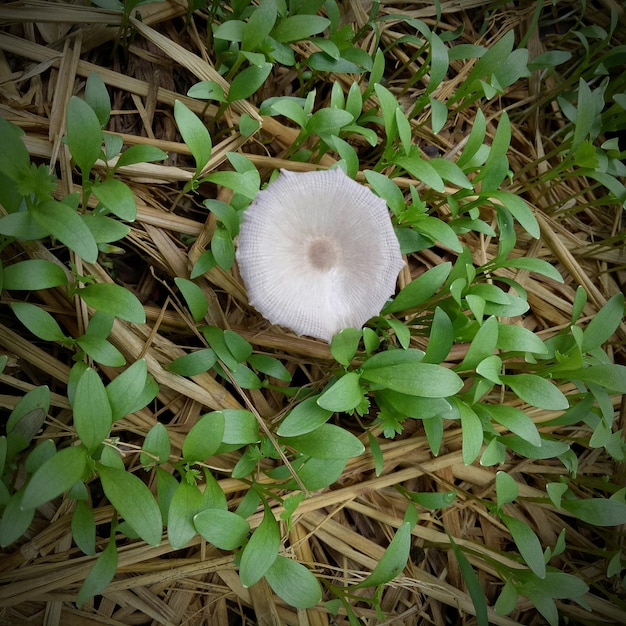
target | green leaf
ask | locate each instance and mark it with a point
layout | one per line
(536, 391)
(55, 476)
(385, 188)
(259, 25)
(344, 395)
(451, 172)
(117, 197)
(207, 90)
(22, 224)
(527, 543)
(240, 427)
(193, 363)
(194, 297)
(84, 134)
(187, 501)
(261, 551)
(100, 575)
(223, 529)
(422, 171)
(483, 344)
(298, 27)
(223, 248)
(33, 274)
(304, 418)
(126, 391)
(105, 229)
(417, 379)
(474, 588)
(328, 121)
(418, 291)
(134, 502)
(506, 489)
(294, 583)
(602, 325)
(84, 528)
(204, 438)
(14, 157)
(610, 376)
(142, 153)
(326, 442)
(97, 97)
(344, 345)
(114, 300)
(597, 511)
(248, 81)
(441, 337)
(63, 223)
(437, 230)
(92, 411)
(156, 446)
(497, 165)
(472, 429)
(270, 366)
(38, 321)
(194, 134)
(530, 264)
(414, 406)
(16, 519)
(520, 211)
(388, 107)
(392, 562)
(515, 338)
(101, 351)
(514, 420)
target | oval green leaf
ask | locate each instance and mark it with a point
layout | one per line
(114, 300)
(294, 583)
(224, 529)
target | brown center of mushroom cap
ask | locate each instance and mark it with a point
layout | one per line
(323, 253)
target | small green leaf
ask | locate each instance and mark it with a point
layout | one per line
(472, 432)
(344, 395)
(520, 210)
(506, 489)
(134, 502)
(497, 164)
(223, 248)
(84, 134)
(125, 392)
(97, 97)
(240, 427)
(101, 351)
(156, 446)
(514, 420)
(142, 153)
(55, 476)
(483, 344)
(92, 411)
(515, 338)
(100, 575)
(294, 583)
(33, 274)
(105, 229)
(114, 300)
(224, 529)
(597, 511)
(326, 442)
(207, 90)
(417, 379)
(386, 189)
(63, 223)
(536, 391)
(194, 297)
(187, 501)
(248, 81)
(261, 551)
(204, 438)
(117, 197)
(259, 25)
(392, 562)
(14, 157)
(527, 543)
(344, 345)
(441, 337)
(530, 264)
(602, 325)
(418, 291)
(194, 134)
(270, 366)
(298, 27)
(38, 321)
(474, 586)
(610, 376)
(84, 528)
(422, 171)
(304, 418)
(16, 519)
(193, 363)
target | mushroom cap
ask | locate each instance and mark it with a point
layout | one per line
(317, 253)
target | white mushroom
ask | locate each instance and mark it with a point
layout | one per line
(318, 253)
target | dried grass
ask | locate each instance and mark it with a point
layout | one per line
(46, 51)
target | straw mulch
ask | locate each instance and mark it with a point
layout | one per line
(46, 52)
